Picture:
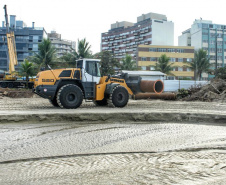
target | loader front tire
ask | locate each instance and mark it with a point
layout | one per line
(69, 96)
(120, 96)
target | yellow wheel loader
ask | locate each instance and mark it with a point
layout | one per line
(68, 87)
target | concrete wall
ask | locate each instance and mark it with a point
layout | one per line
(162, 33)
(196, 36)
(184, 40)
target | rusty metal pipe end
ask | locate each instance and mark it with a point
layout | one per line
(152, 86)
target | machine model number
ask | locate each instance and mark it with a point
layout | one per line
(47, 80)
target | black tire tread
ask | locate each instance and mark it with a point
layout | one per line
(59, 92)
(110, 102)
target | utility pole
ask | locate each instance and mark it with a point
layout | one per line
(216, 56)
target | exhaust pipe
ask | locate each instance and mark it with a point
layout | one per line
(152, 86)
(163, 96)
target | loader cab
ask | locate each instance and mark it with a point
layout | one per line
(90, 69)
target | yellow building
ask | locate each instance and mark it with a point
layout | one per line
(147, 56)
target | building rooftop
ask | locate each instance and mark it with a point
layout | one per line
(144, 73)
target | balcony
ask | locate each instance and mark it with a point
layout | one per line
(136, 33)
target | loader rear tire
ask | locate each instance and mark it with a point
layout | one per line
(120, 96)
(69, 96)
(54, 102)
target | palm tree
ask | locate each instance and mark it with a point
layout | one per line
(83, 49)
(163, 65)
(128, 63)
(200, 63)
(46, 54)
(27, 69)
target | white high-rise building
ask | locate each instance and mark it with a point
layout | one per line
(208, 36)
(150, 29)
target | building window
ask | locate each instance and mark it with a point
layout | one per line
(152, 49)
(219, 58)
(171, 50)
(170, 77)
(180, 59)
(153, 59)
(188, 69)
(143, 68)
(161, 50)
(189, 59)
(219, 50)
(172, 60)
(152, 68)
(180, 68)
(143, 58)
(180, 50)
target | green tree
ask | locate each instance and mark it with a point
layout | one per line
(221, 73)
(163, 64)
(68, 60)
(27, 69)
(83, 51)
(128, 63)
(108, 62)
(46, 54)
(199, 64)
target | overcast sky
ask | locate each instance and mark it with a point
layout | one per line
(78, 19)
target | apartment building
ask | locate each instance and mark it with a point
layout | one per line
(26, 38)
(150, 29)
(148, 56)
(208, 36)
(62, 45)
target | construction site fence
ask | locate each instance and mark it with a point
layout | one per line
(174, 85)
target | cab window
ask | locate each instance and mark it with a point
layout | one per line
(79, 64)
(92, 68)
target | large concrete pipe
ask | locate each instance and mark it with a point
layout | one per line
(163, 96)
(152, 86)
